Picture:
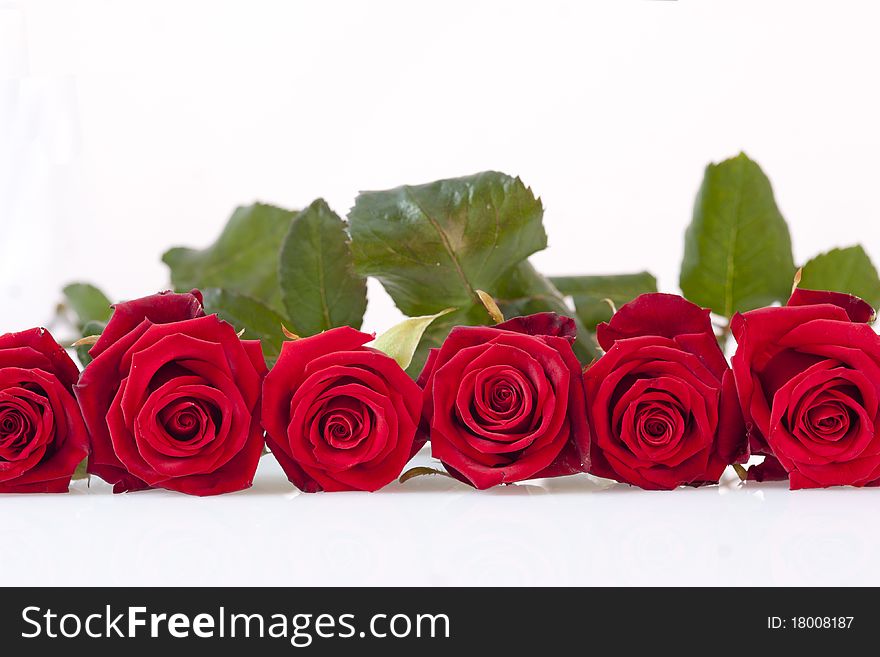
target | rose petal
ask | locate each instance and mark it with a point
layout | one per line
(858, 311)
(654, 314)
(542, 324)
(162, 308)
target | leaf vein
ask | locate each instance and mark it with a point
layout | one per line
(444, 238)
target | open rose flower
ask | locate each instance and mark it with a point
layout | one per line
(808, 377)
(42, 434)
(506, 403)
(662, 400)
(339, 415)
(172, 399)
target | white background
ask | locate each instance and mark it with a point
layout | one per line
(127, 127)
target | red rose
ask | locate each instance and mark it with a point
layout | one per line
(808, 377)
(42, 434)
(662, 400)
(506, 403)
(339, 415)
(172, 399)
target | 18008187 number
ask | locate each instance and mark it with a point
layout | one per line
(810, 622)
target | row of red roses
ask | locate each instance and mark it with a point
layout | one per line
(174, 399)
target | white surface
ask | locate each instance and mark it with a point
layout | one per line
(435, 531)
(126, 127)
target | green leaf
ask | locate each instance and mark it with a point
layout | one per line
(432, 246)
(244, 259)
(319, 286)
(589, 293)
(401, 340)
(737, 252)
(258, 321)
(91, 328)
(848, 270)
(524, 291)
(88, 302)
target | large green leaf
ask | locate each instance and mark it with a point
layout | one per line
(432, 246)
(524, 291)
(737, 251)
(244, 259)
(847, 270)
(592, 293)
(319, 286)
(88, 302)
(258, 320)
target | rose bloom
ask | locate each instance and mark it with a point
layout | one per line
(339, 415)
(506, 403)
(172, 399)
(808, 377)
(42, 434)
(662, 400)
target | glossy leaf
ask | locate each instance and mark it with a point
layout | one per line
(244, 259)
(432, 246)
(319, 286)
(848, 270)
(737, 253)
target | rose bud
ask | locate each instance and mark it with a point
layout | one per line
(42, 434)
(339, 415)
(808, 377)
(662, 400)
(506, 403)
(172, 399)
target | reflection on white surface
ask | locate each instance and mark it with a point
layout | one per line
(436, 531)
